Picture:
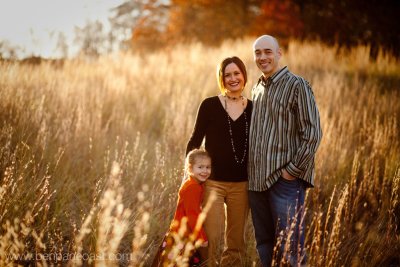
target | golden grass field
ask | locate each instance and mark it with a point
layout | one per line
(92, 150)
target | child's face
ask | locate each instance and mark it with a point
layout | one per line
(201, 169)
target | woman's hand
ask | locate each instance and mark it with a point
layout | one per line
(204, 244)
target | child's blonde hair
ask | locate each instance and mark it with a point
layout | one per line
(193, 155)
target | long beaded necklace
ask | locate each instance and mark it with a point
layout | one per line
(231, 133)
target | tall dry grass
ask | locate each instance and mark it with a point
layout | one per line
(91, 154)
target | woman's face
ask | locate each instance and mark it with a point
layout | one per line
(233, 78)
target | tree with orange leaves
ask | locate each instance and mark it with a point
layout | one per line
(280, 18)
(208, 21)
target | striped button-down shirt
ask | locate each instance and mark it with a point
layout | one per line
(285, 130)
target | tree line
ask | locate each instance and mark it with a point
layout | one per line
(145, 25)
(157, 23)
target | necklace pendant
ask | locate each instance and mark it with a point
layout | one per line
(234, 98)
(231, 134)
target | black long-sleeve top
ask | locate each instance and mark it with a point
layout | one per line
(212, 124)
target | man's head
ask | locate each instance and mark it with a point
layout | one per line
(267, 54)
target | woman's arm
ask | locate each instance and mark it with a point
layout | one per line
(199, 129)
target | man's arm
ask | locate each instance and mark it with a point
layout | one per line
(309, 131)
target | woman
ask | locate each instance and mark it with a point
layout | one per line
(224, 122)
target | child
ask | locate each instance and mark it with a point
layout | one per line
(198, 168)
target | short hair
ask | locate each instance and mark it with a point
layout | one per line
(221, 69)
(193, 155)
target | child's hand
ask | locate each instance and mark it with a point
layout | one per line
(204, 244)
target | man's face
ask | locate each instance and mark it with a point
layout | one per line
(267, 55)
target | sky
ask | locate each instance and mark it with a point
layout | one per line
(34, 25)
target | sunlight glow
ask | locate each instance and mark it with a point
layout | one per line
(34, 25)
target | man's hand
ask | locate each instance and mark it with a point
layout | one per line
(287, 176)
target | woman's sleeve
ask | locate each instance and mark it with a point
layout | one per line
(199, 129)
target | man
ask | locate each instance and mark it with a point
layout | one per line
(284, 136)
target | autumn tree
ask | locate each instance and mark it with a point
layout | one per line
(349, 23)
(143, 23)
(208, 21)
(280, 18)
(156, 23)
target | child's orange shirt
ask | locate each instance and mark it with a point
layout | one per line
(189, 205)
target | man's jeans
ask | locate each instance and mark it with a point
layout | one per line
(278, 214)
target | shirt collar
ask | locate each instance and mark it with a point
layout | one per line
(275, 77)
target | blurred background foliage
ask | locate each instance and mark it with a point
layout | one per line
(155, 24)
(146, 25)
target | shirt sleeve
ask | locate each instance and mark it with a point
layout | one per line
(309, 129)
(191, 197)
(199, 130)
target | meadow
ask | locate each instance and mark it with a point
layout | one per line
(92, 150)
